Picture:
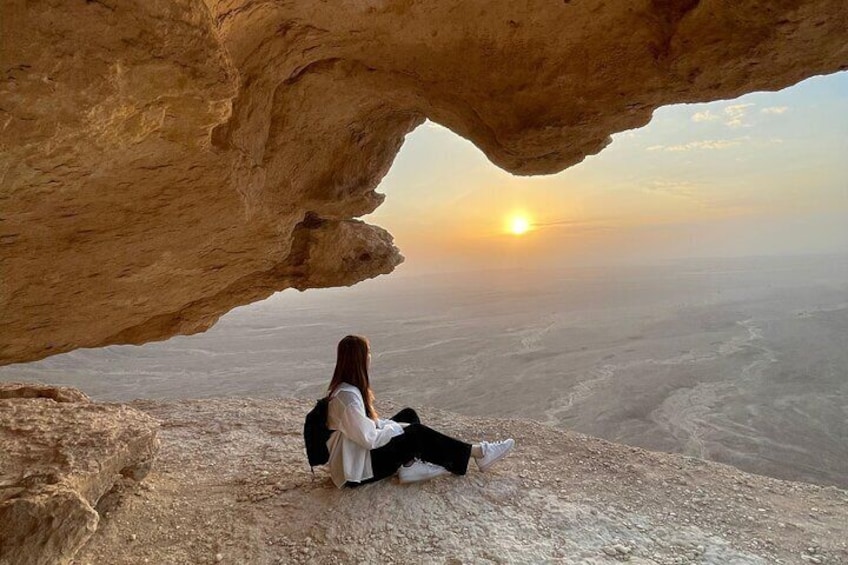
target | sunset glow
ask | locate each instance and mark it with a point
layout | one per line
(519, 225)
(727, 178)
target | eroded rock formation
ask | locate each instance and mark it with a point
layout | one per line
(164, 161)
(59, 454)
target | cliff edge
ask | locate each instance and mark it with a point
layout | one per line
(231, 485)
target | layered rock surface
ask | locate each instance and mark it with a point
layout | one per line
(163, 161)
(231, 485)
(59, 455)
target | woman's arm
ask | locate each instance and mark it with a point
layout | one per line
(361, 429)
(383, 422)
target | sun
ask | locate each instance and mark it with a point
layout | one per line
(519, 225)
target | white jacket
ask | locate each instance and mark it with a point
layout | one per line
(354, 436)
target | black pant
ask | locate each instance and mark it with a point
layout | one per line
(417, 440)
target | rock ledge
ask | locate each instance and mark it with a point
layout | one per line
(231, 485)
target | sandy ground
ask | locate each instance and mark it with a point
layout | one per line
(231, 485)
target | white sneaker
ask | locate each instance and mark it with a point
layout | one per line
(493, 452)
(420, 471)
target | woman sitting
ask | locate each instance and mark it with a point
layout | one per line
(365, 448)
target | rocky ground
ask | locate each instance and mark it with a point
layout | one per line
(231, 485)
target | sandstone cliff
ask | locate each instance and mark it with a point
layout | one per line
(163, 161)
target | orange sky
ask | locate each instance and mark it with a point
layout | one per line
(763, 174)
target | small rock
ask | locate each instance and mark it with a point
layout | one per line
(219, 557)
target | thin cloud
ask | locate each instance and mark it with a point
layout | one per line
(705, 116)
(732, 116)
(735, 115)
(775, 110)
(574, 225)
(737, 108)
(705, 144)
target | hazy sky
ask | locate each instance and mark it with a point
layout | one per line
(762, 174)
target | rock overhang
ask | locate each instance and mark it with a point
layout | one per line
(166, 161)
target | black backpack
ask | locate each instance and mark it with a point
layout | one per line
(316, 433)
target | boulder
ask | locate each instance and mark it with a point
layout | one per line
(60, 454)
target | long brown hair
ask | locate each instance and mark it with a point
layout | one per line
(352, 368)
